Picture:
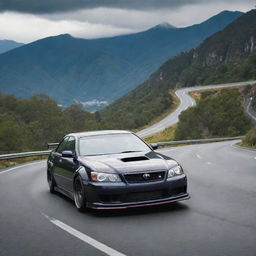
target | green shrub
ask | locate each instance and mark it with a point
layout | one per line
(216, 115)
(250, 138)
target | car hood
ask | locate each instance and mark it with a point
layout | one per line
(128, 162)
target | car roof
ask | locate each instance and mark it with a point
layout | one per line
(94, 133)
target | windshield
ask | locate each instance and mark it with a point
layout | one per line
(111, 144)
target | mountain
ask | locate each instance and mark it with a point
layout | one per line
(227, 56)
(98, 70)
(7, 45)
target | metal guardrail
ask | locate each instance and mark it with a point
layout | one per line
(25, 154)
(181, 142)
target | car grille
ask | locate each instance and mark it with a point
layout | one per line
(144, 177)
(145, 196)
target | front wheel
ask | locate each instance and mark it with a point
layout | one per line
(79, 195)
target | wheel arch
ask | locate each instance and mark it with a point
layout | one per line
(81, 171)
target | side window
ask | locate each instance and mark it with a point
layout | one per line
(62, 145)
(70, 145)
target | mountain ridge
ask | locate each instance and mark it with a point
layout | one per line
(73, 69)
(226, 56)
(7, 45)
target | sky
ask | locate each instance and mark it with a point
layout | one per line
(29, 20)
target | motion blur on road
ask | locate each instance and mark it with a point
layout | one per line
(219, 219)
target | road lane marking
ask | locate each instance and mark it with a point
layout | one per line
(209, 163)
(21, 166)
(87, 239)
(255, 157)
(198, 156)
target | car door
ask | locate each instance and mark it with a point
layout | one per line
(69, 165)
(57, 162)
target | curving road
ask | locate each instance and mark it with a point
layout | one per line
(250, 111)
(219, 219)
(185, 102)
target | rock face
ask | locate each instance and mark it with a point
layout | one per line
(250, 46)
(232, 44)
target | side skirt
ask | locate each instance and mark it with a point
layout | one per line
(64, 192)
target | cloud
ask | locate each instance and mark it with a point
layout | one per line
(27, 28)
(52, 6)
(106, 22)
(138, 20)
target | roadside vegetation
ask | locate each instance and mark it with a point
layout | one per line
(173, 107)
(137, 108)
(29, 124)
(12, 162)
(165, 135)
(218, 114)
(249, 140)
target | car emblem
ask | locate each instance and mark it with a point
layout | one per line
(146, 176)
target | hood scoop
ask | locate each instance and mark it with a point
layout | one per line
(134, 159)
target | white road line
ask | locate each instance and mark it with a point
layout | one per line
(255, 157)
(98, 245)
(20, 166)
(209, 163)
(198, 156)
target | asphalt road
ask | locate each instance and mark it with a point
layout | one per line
(185, 102)
(250, 111)
(219, 219)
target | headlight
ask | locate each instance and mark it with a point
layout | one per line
(177, 170)
(104, 177)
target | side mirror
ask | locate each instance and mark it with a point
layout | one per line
(68, 154)
(154, 146)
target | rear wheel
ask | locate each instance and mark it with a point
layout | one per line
(51, 182)
(79, 195)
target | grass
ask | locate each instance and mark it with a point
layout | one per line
(197, 94)
(174, 106)
(244, 145)
(165, 135)
(13, 162)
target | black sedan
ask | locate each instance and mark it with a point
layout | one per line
(114, 170)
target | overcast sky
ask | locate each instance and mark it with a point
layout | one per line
(29, 20)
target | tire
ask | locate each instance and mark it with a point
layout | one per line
(79, 195)
(51, 182)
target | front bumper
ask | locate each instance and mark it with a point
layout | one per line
(123, 195)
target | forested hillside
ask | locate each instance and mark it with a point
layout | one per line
(227, 56)
(30, 124)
